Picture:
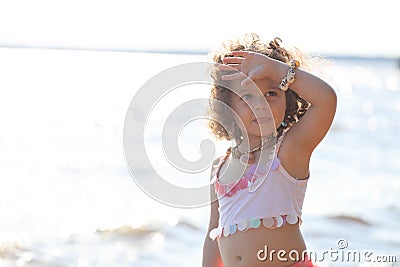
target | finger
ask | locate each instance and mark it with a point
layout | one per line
(230, 67)
(252, 76)
(233, 60)
(241, 53)
(246, 82)
(234, 76)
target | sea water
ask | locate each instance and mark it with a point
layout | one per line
(67, 197)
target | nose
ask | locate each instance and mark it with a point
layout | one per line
(261, 103)
(261, 107)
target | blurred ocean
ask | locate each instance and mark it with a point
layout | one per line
(67, 197)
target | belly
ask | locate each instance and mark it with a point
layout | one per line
(263, 247)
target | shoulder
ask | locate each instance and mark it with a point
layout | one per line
(216, 164)
(214, 168)
(219, 159)
(216, 161)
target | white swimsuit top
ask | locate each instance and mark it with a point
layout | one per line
(279, 199)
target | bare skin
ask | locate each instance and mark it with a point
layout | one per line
(295, 152)
(243, 248)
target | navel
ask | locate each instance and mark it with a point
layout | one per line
(238, 258)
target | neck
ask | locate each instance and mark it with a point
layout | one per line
(251, 150)
(249, 144)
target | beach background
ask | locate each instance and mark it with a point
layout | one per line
(66, 195)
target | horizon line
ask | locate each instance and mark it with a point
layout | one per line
(198, 51)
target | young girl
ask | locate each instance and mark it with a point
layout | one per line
(259, 226)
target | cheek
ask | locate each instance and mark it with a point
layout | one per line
(245, 116)
(241, 109)
(279, 113)
(240, 114)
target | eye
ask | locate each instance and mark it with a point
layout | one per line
(271, 93)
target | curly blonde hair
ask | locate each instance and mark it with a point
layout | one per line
(219, 113)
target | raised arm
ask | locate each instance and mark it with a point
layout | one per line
(305, 135)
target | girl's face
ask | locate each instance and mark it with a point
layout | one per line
(260, 106)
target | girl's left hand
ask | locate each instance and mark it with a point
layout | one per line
(250, 66)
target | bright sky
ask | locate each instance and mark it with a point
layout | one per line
(327, 27)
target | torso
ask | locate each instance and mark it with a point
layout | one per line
(242, 248)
